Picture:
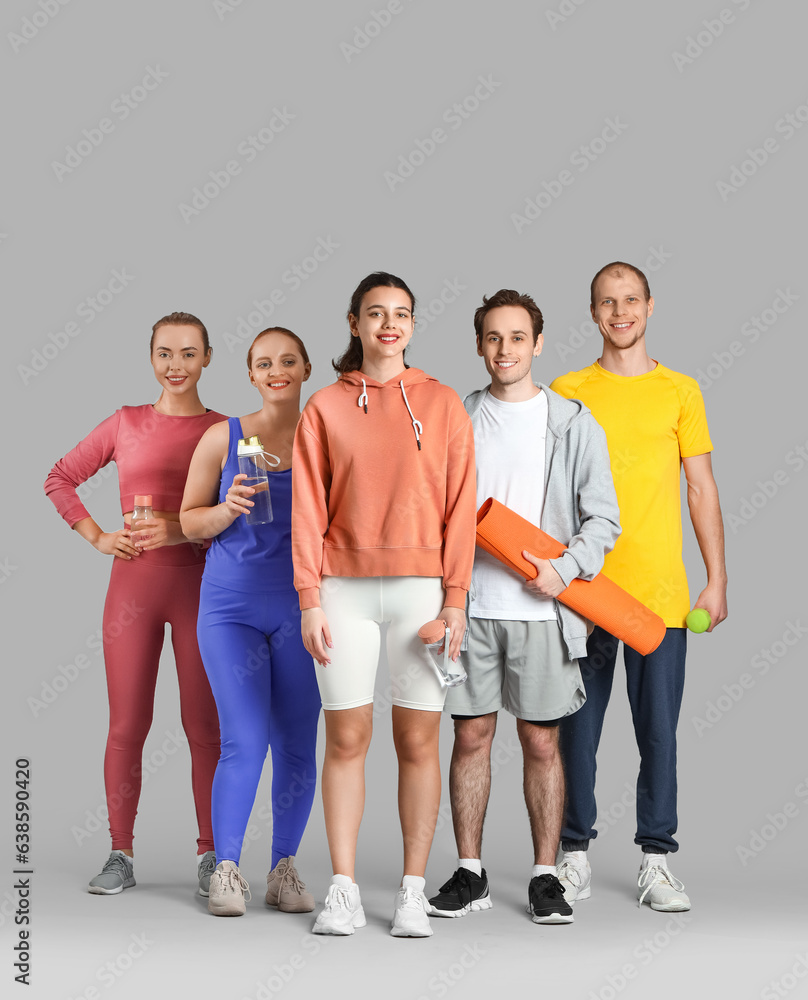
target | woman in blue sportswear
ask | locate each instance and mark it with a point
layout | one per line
(261, 676)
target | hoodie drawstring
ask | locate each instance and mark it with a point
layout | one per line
(363, 397)
(416, 424)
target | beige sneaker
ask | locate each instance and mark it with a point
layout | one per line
(227, 888)
(285, 890)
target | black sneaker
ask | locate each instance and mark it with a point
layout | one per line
(546, 901)
(464, 892)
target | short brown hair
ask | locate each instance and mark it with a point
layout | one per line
(279, 329)
(508, 297)
(616, 267)
(181, 319)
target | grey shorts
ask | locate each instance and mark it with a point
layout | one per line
(522, 667)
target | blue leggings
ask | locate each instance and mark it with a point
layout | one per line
(266, 694)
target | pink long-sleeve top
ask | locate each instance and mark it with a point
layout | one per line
(151, 450)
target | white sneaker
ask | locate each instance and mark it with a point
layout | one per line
(226, 891)
(575, 875)
(657, 886)
(343, 911)
(410, 918)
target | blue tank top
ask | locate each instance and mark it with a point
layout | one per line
(253, 558)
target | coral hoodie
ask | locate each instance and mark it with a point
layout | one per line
(383, 484)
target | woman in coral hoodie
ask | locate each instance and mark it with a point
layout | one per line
(383, 528)
(155, 580)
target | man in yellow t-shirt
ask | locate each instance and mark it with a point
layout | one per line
(655, 424)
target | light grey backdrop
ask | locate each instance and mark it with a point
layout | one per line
(250, 162)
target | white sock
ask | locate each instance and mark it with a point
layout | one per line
(343, 881)
(416, 882)
(543, 870)
(473, 865)
(130, 860)
(654, 859)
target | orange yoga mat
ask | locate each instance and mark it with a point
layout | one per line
(504, 534)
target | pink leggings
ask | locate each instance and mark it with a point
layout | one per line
(158, 587)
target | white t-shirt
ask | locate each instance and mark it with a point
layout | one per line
(509, 446)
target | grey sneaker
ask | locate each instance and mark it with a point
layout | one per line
(226, 891)
(116, 875)
(207, 862)
(285, 890)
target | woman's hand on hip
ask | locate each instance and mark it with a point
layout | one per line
(116, 543)
(316, 634)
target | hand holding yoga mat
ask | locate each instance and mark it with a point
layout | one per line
(505, 534)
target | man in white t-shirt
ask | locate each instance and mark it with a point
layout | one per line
(546, 458)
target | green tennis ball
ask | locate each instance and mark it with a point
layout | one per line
(698, 620)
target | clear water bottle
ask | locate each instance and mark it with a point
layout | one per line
(434, 635)
(142, 511)
(253, 462)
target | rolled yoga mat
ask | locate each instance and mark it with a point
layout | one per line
(504, 534)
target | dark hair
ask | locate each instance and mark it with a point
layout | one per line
(279, 329)
(351, 359)
(181, 319)
(616, 267)
(508, 297)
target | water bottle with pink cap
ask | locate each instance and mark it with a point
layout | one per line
(435, 636)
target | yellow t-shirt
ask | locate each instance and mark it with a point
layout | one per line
(651, 421)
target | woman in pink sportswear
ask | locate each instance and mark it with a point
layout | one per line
(155, 580)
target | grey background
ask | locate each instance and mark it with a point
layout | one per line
(716, 262)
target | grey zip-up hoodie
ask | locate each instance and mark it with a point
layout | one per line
(580, 504)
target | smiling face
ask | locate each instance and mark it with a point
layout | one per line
(178, 357)
(621, 309)
(277, 368)
(507, 347)
(384, 324)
